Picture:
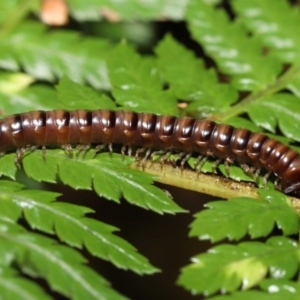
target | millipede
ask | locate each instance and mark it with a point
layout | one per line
(162, 134)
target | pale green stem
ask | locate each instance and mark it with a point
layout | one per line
(16, 17)
(280, 83)
(208, 184)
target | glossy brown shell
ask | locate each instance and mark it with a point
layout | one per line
(61, 128)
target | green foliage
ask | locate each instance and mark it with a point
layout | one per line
(136, 83)
(227, 267)
(130, 10)
(274, 25)
(108, 176)
(280, 109)
(80, 59)
(67, 221)
(62, 266)
(250, 67)
(271, 289)
(13, 286)
(235, 53)
(75, 96)
(239, 216)
(16, 91)
(193, 82)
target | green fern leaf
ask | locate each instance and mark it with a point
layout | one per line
(284, 288)
(273, 289)
(227, 43)
(243, 123)
(128, 10)
(28, 99)
(227, 267)
(136, 83)
(7, 166)
(61, 53)
(108, 176)
(281, 108)
(249, 295)
(190, 80)
(13, 286)
(16, 91)
(72, 96)
(11, 83)
(62, 267)
(7, 8)
(69, 224)
(275, 23)
(237, 217)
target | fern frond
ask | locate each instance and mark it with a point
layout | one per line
(136, 82)
(272, 289)
(13, 286)
(239, 216)
(235, 53)
(11, 83)
(70, 225)
(7, 8)
(60, 53)
(62, 267)
(127, 10)
(229, 267)
(275, 24)
(190, 80)
(16, 91)
(72, 95)
(281, 109)
(108, 176)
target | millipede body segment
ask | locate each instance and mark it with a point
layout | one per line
(150, 131)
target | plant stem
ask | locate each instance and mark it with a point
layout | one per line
(208, 184)
(280, 83)
(16, 17)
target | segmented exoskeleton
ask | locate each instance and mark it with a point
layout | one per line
(185, 135)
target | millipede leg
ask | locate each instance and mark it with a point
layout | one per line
(159, 152)
(200, 164)
(129, 151)
(97, 149)
(19, 156)
(229, 161)
(123, 152)
(30, 148)
(197, 161)
(110, 149)
(277, 184)
(138, 151)
(265, 178)
(164, 157)
(86, 148)
(256, 174)
(44, 153)
(83, 149)
(179, 156)
(214, 165)
(68, 148)
(245, 168)
(184, 160)
(227, 168)
(143, 163)
(249, 170)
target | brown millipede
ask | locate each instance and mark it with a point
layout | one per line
(149, 131)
